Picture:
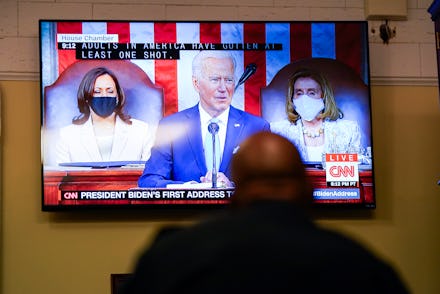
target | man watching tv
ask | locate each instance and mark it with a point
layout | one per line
(266, 242)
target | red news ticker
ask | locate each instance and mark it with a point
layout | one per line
(338, 157)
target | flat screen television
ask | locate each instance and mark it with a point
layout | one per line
(152, 62)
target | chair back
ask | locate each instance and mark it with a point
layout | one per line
(144, 101)
(351, 93)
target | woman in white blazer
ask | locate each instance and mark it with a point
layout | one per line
(314, 123)
(103, 132)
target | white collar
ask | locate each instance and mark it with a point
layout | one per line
(205, 117)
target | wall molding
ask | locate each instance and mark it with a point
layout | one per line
(403, 81)
(375, 80)
(19, 76)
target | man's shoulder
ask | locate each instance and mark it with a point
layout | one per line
(186, 113)
(242, 112)
(247, 116)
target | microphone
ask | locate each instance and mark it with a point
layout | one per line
(213, 129)
(248, 72)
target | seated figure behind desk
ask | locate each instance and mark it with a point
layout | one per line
(103, 132)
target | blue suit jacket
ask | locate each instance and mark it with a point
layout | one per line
(177, 155)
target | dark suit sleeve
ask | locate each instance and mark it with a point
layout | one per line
(177, 155)
(257, 123)
(157, 172)
(158, 169)
(266, 126)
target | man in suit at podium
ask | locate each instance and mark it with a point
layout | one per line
(180, 154)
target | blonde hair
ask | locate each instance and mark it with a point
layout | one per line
(331, 111)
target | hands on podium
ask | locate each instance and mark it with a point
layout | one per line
(222, 180)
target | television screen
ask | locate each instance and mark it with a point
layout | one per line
(126, 108)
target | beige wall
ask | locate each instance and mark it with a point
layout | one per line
(76, 252)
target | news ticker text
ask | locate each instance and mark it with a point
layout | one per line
(160, 51)
(188, 194)
(153, 194)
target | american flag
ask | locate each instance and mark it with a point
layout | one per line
(343, 41)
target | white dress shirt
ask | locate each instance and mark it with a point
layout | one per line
(205, 119)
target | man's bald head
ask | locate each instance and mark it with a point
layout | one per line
(268, 167)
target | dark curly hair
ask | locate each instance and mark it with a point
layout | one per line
(85, 95)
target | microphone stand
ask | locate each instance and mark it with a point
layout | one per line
(213, 129)
(214, 164)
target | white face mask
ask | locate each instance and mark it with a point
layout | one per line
(308, 108)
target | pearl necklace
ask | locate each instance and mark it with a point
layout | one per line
(313, 133)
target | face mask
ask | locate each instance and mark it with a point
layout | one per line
(308, 108)
(103, 106)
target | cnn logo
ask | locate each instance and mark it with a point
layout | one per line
(70, 195)
(338, 171)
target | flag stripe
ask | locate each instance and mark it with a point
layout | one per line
(120, 28)
(67, 57)
(254, 33)
(343, 41)
(323, 40)
(277, 33)
(187, 96)
(94, 27)
(348, 45)
(166, 70)
(300, 41)
(232, 33)
(141, 33)
(210, 33)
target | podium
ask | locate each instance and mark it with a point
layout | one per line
(62, 188)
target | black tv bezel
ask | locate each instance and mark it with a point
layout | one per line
(195, 207)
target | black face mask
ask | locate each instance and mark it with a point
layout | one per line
(103, 106)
